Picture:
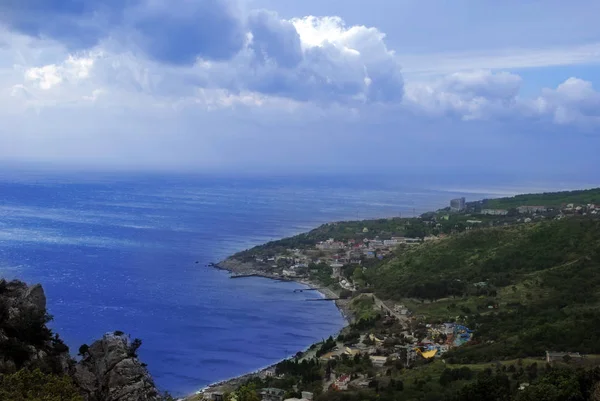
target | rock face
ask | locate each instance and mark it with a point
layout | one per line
(25, 341)
(110, 371)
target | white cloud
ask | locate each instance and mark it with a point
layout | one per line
(471, 95)
(48, 76)
(295, 86)
(573, 101)
(436, 64)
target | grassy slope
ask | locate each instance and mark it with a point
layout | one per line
(553, 199)
(543, 277)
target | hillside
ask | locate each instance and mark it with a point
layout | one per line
(524, 289)
(548, 199)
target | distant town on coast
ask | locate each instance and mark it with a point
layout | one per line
(432, 301)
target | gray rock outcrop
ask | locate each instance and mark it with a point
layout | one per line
(110, 371)
(25, 340)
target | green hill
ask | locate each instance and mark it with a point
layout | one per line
(549, 199)
(524, 289)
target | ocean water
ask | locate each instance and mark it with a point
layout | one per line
(120, 252)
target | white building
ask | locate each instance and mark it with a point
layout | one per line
(495, 212)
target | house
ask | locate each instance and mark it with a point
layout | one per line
(552, 356)
(351, 351)
(495, 212)
(375, 339)
(531, 209)
(378, 361)
(341, 383)
(267, 373)
(328, 356)
(401, 309)
(272, 394)
(307, 395)
(214, 396)
(428, 354)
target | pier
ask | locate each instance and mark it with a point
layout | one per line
(322, 299)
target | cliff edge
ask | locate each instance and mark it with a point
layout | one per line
(109, 369)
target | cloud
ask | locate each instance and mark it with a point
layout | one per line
(440, 64)
(274, 39)
(48, 76)
(314, 58)
(573, 101)
(217, 46)
(470, 95)
(180, 32)
(76, 23)
(251, 88)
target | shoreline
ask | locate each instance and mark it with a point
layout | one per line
(246, 270)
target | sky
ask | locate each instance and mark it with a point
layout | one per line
(302, 85)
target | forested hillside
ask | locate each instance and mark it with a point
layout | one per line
(524, 289)
(548, 199)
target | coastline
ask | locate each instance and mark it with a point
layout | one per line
(243, 269)
(249, 270)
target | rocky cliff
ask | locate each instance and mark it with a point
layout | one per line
(109, 369)
(25, 340)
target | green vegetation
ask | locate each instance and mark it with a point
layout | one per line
(550, 199)
(26, 385)
(362, 306)
(524, 288)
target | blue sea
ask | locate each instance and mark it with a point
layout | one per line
(119, 252)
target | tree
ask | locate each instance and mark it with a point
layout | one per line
(84, 350)
(135, 345)
(247, 393)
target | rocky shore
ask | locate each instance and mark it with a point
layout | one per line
(239, 268)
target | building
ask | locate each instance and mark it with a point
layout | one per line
(531, 209)
(307, 395)
(267, 373)
(457, 205)
(378, 361)
(495, 212)
(272, 394)
(552, 356)
(342, 382)
(214, 396)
